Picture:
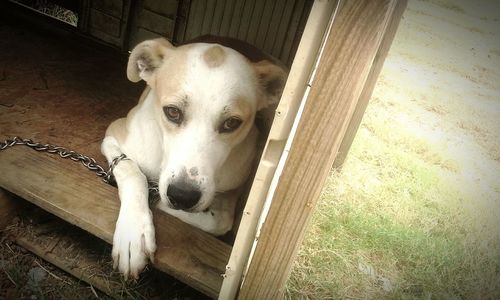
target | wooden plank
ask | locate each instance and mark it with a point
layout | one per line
(265, 21)
(227, 15)
(156, 23)
(67, 190)
(350, 49)
(208, 17)
(105, 37)
(217, 15)
(110, 7)
(78, 270)
(236, 19)
(246, 19)
(276, 20)
(181, 21)
(83, 15)
(166, 8)
(144, 34)
(255, 20)
(71, 250)
(378, 63)
(298, 32)
(126, 23)
(291, 30)
(87, 258)
(104, 23)
(283, 28)
(195, 21)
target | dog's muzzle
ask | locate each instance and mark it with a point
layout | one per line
(183, 195)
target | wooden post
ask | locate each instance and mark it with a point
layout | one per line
(342, 74)
(389, 34)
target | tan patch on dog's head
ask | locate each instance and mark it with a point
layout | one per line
(214, 56)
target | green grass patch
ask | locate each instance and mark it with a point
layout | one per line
(414, 212)
(389, 226)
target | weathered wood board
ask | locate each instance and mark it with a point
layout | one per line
(343, 73)
(153, 19)
(108, 20)
(64, 91)
(365, 96)
(85, 257)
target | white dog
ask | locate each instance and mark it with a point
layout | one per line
(193, 132)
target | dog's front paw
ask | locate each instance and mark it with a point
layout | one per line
(133, 242)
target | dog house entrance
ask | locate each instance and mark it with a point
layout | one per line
(66, 91)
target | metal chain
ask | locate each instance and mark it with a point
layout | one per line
(88, 162)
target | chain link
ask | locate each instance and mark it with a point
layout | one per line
(88, 162)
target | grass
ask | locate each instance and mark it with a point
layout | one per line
(413, 214)
(388, 226)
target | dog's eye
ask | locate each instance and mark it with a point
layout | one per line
(173, 114)
(230, 125)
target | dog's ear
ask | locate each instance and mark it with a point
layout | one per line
(146, 58)
(271, 80)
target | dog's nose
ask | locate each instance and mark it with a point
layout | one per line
(183, 196)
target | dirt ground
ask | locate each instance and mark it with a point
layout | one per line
(442, 78)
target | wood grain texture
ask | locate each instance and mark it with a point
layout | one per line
(105, 23)
(355, 37)
(292, 26)
(56, 242)
(236, 18)
(110, 7)
(67, 190)
(378, 63)
(282, 28)
(157, 23)
(108, 21)
(63, 91)
(166, 8)
(273, 26)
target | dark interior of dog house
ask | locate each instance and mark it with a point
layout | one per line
(63, 81)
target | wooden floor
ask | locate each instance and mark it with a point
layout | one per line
(58, 89)
(55, 88)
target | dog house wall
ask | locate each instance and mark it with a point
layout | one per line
(272, 26)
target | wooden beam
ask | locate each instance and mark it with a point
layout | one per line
(67, 190)
(378, 63)
(343, 70)
(69, 252)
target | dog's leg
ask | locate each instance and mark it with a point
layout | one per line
(134, 238)
(217, 219)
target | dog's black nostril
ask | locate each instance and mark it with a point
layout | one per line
(183, 196)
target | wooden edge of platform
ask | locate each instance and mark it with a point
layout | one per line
(69, 191)
(79, 271)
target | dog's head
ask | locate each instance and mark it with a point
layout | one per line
(207, 97)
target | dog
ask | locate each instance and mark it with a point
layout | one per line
(193, 132)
